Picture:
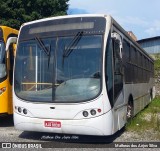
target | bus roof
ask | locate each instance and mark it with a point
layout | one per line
(65, 16)
(8, 31)
(93, 15)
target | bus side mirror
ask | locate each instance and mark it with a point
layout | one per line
(11, 40)
(3, 71)
(118, 38)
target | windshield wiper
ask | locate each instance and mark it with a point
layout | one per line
(72, 44)
(43, 47)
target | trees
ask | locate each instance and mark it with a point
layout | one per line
(13, 13)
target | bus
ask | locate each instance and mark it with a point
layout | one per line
(6, 70)
(79, 74)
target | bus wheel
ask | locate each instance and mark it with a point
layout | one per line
(151, 95)
(129, 110)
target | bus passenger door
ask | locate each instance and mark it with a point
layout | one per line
(10, 77)
(118, 86)
(118, 71)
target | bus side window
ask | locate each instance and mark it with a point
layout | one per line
(118, 75)
(126, 61)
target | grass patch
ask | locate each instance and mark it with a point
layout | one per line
(153, 107)
(157, 67)
(157, 64)
(147, 120)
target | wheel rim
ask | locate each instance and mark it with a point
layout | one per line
(129, 111)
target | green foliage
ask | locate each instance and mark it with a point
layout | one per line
(157, 64)
(13, 13)
(147, 120)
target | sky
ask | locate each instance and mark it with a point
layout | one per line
(142, 17)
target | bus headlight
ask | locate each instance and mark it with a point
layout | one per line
(93, 112)
(19, 110)
(89, 113)
(85, 113)
(24, 111)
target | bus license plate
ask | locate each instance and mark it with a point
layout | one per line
(54, 124)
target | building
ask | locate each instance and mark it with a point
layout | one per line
(151, 45)
(132, 35)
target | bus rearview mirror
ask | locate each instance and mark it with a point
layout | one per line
(118, 38)
(11, 40)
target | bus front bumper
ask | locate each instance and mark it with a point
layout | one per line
(101, 125)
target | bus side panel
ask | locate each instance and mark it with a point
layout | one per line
(140, 93)
(144, 96)
(120, 111)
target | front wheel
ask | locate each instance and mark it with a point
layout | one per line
(151, 95)
(129, 111)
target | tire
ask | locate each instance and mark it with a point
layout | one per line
(130, 111)
(151, 95)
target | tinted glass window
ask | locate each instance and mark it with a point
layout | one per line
(118, 78)
(62, 69)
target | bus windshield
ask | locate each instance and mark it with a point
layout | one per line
(60, 69)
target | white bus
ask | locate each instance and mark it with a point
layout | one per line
(79, 74)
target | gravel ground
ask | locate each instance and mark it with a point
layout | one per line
(9, 134)
(85, 143)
